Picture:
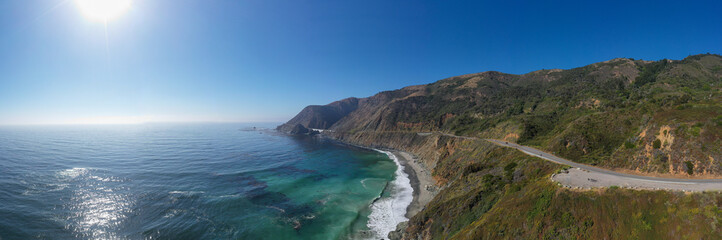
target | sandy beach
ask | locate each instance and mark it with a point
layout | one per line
(420, 178)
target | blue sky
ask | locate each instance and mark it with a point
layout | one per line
(222, 60)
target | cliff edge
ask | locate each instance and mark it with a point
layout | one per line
(644, 117)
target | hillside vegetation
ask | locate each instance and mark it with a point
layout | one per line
(660, 118)
(609, 114)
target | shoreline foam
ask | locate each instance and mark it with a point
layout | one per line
(388, 212)
(419, 178)
(424, 185)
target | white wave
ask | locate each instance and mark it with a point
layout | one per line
(186, 193)
(277, 208)
(363, 182)
(388, 212)
(172, 213)
(229, 196)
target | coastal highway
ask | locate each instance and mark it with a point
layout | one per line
(538, 153)
(585, 176)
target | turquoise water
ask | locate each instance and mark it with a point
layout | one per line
(193, 181)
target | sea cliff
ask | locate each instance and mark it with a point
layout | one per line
(650, 117)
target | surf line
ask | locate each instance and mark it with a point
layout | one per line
(387, 212)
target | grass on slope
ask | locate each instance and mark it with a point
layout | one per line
(502, 193)
(543, 210)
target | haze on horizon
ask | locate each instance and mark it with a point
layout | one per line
(262, 61)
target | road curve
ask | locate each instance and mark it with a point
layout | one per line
(585, 176)
(538, 153)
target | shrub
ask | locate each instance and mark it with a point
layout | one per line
(648, 73)
(515, 188)
(690, 167)
(474, 167)
(657, 144)
(541, 205)
(509, 170)
(682, 129)
(629, 145)
(510, 167)
(488, 178)
(695, 130)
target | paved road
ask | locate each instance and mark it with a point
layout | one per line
(538, 153)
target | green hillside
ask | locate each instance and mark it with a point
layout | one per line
(661, 118)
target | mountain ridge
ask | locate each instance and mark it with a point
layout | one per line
(644, 117)
(557, 110)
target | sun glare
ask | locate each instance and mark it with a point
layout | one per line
(103, 10)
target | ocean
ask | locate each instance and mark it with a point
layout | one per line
(193, 181)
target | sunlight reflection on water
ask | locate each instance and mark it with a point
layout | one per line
(208, 181)
(96, 206)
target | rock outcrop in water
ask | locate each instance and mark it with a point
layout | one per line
(661, 117)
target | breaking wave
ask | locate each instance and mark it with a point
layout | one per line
(389, 211)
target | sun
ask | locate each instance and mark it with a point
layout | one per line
(103, 10)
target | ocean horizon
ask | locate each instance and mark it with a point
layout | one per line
(194, 181)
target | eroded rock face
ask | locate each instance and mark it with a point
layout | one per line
(400, 232)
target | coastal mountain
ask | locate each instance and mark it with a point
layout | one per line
(659, 118)
(322, 117)
(609, 113)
